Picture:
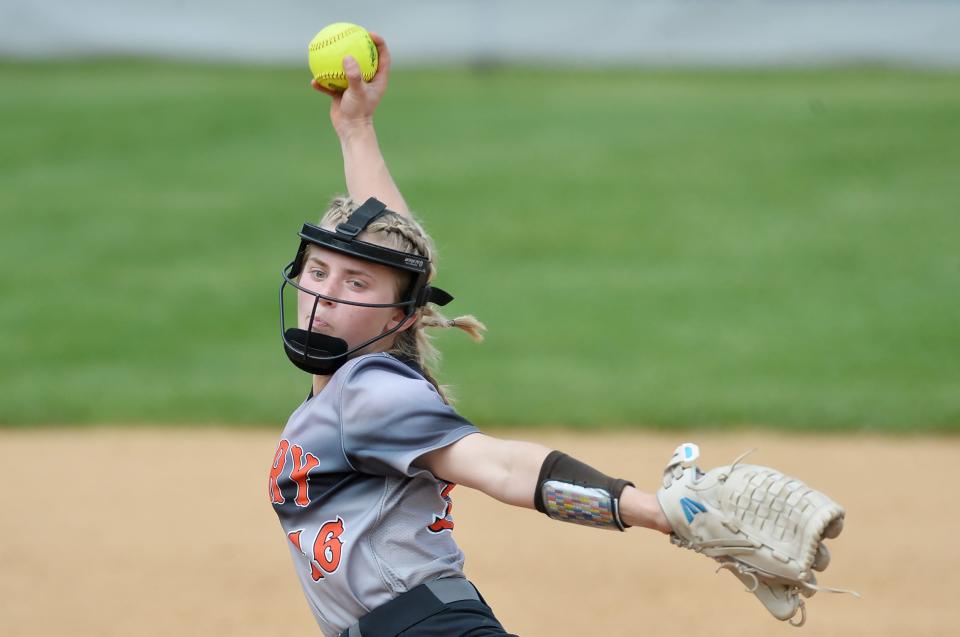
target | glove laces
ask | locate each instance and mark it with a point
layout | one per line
(726, 474)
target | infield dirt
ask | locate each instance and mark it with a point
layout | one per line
(160, 532)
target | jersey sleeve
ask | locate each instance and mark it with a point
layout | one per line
(390, 416)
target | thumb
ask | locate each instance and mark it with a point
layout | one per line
(352, 70)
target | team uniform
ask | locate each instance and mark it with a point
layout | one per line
(369, 529)
(365, 524)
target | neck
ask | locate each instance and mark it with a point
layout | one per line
(319, 382)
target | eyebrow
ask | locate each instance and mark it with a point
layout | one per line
(318, 261)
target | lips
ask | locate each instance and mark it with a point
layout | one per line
(319, 324)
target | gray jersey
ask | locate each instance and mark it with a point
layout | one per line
(363, 524)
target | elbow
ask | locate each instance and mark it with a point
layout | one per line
(514, 490)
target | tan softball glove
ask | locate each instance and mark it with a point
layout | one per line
(761, 525)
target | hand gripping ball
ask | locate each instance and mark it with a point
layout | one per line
(328, 48)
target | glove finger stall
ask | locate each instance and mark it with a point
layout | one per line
(822, 559)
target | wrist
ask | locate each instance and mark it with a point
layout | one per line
(356, 129)
(642, 509)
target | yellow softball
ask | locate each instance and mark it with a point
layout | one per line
(328, 48)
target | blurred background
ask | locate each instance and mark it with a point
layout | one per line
(669, 214)
(729, 222)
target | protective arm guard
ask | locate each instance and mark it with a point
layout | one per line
(571, 491)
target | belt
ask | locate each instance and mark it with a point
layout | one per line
(405, 610)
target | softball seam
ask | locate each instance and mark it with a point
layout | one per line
(340, 75)
(316, 46)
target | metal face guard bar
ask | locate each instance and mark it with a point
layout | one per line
(303, 349)
(297, 342)
(287, 273)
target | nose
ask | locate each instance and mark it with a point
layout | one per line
(326, 290)
(309, 298)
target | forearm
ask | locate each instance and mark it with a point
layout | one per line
(517, 482)
(366, 170)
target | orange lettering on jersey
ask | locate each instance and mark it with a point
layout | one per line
(327, 549)
(444, 522)
(279, 460)
(294, 537)
(299, 473)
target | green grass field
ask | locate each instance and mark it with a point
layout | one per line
(647, 248)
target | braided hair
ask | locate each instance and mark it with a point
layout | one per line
(398, 232)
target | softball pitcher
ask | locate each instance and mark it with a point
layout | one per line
(362, 476)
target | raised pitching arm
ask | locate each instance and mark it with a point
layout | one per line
(351, 113)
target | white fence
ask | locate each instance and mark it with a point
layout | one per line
(610, 32)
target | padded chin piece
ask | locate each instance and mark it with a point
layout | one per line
(325, 355)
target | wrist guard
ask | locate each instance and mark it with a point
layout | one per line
(572, 491)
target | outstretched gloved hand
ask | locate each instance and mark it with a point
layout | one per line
(765, 527)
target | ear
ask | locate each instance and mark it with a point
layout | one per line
(398, 317)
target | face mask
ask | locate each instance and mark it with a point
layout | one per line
(322, 354)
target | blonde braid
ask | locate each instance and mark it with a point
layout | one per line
(406, 235)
